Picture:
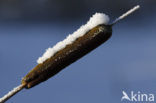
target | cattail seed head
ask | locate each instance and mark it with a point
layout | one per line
(72, 52)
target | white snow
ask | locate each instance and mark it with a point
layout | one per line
(96, 19)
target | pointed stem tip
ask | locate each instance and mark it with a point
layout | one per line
(126, 14)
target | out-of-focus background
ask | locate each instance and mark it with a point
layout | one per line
(127, 62)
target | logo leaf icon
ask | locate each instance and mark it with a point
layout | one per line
(125, 96)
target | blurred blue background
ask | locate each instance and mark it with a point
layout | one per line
(125, 62)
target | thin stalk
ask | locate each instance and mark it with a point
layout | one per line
(126, 14)
(11, 93)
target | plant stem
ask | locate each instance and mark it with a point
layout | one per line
(11, 93)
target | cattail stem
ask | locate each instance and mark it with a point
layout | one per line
(126, 14)
(11, 93)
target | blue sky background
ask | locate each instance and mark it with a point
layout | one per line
(125, 62)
